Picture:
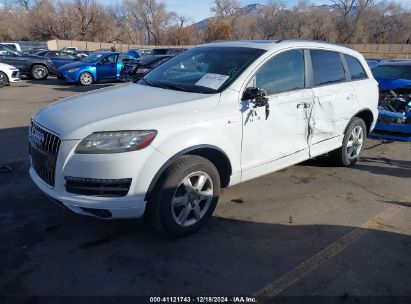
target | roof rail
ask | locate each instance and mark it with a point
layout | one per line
(312, 40)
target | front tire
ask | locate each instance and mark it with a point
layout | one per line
(39, 72)
(185, 197)
(86, 79)
(4, 80)
(353, 144)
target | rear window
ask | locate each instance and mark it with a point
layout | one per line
(354, 66)
(327, 67)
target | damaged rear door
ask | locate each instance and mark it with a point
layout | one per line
(334, 101)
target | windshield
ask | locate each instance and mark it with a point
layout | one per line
(392, 71)
(203, 69)
(6, 51)
(92, 58)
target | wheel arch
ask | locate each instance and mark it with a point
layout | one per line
(37, 63)
(367, 116)
(212, 153)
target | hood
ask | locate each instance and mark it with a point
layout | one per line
(118, 108)
(33, 57)
(392, 84)
(6, 66)
(75, 64)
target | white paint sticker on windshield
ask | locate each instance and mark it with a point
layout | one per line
(212, 81)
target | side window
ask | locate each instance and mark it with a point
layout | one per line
(5, 51)
(283, 72)
(109, 59)
(123, 57)
(354, 66)
(52, 55)
(327, 67)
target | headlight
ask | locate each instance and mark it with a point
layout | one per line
(115, 142)
(73, 70)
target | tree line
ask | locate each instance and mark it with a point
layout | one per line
(150, 22)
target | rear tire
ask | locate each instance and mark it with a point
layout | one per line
(185, 196)
(353, 144)
(4, 80)
(86, 79)
(39, 72)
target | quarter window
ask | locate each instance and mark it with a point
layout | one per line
(284, 72)
(327, 67)
(354, 66)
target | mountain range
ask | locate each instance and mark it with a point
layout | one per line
(254, 10)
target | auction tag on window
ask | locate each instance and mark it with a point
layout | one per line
(212, 81)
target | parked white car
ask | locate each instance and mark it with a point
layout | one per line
(70, 49)
(214, 116)
(8, 74)
(12, 45)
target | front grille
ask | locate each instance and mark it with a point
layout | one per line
(44, 147)
(98, 187)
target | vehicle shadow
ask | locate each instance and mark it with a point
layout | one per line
(47, 250)
(385, 166)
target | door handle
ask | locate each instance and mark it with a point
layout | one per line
(303, 105)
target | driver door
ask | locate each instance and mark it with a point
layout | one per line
(107, 68)
(280, 139)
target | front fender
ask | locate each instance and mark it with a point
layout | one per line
(189, 140)
(177, 145)
(92, 70)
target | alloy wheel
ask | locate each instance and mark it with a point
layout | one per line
(3, 80)
(39, 73)
(355, 142)
(192, 199)
(86, 79)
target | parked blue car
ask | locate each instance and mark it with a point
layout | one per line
(394, 119)
(97, 67)
(58, 58)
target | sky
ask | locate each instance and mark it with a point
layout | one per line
(198, 10)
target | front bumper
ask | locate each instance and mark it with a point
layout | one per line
(388, 126)
(15, 76)
(69, 77)
(134, 165)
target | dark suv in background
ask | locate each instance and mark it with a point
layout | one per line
(35, 67)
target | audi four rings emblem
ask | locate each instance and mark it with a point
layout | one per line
(37, 136)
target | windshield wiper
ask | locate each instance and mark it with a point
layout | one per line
(175, 87)
(165, 85)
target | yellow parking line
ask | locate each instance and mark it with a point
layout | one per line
(276, 287)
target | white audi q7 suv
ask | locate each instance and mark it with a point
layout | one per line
(214, 116)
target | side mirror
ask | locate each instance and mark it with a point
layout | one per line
(252, 93)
